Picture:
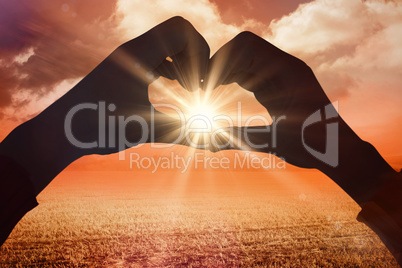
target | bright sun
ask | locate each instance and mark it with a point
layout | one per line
(201, 115)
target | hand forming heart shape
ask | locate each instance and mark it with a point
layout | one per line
(118, 86)
(283, 84)
(109, 111)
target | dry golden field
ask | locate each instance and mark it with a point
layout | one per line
(219, 219)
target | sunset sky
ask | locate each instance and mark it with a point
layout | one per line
(353, 46)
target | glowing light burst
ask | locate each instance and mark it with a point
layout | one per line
(200, 112)
(206, 112)
(209, 115)
(202, 118)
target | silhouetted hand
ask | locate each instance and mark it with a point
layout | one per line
(285, 86)
(288, 89)
(122, 80)
(109, 110)
(304, 119)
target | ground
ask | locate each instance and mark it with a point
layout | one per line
(220, 219)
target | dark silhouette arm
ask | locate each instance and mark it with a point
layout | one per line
(38, 150)
(287, 88)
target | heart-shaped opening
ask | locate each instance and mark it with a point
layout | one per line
(224, 106)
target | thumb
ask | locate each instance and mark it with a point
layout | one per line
(165, 129)
(256, 139)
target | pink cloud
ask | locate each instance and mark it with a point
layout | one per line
(45, 42)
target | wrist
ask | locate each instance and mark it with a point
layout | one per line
(383, 214)
(361, 171)
(40, 147)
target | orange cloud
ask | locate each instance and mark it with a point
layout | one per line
(204, 15)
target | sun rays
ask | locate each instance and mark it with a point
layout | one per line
(199, 118)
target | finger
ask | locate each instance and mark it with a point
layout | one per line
(165, 129)
(172, 130)
(178, 39)
(248, 53)
(190, 65)
(256, 139)
(181, 69)
(257, 66)
(238, 55)
(166, 69)
(224, 64)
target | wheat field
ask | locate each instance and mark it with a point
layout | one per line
(220, 219)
